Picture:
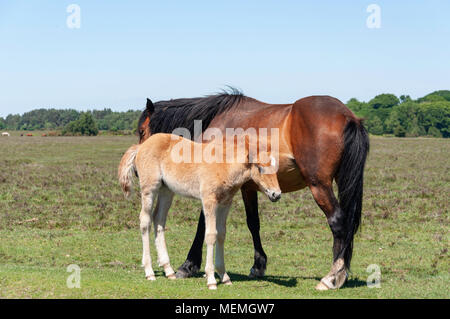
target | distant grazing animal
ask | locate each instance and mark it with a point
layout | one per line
(29, 134)
(321, 141)
(215, 183)
(6, 134)
(44, 135)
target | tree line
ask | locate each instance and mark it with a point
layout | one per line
(385, 114)
(70, 121)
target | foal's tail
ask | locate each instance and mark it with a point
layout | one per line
(350, 182)
(127, 169)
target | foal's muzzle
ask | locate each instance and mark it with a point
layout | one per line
(273, 195)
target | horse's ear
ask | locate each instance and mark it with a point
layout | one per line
(150, 107)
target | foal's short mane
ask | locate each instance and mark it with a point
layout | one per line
(173, 114)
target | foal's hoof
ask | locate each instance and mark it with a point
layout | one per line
(212, 287)
(151, 277)
(322, 287)
(227, 282)
(172, 277)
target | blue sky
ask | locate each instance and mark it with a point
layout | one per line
(275, 51)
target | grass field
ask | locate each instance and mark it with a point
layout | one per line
(60, 204)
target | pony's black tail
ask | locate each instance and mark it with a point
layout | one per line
(350, 182)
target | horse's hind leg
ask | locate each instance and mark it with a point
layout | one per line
(148, 196)
(159, 220)
(324, 197)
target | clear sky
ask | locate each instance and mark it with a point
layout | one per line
(275, 51)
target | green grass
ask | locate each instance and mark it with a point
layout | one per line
(60, 204)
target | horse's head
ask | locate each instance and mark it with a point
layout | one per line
(144, 122)
(264, 174)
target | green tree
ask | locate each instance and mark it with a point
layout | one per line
(85, 125)
(435, 96)
(415, 129)
(405, 98)
(432, 131)
(400, 131)
(384, 101)
(375, 126)
(392, 122)
(354, 105)
(436, 114)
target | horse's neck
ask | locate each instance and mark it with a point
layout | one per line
(239, 174)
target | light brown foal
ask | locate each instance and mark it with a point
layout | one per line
(166, 166)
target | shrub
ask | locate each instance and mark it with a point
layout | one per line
(85, 125)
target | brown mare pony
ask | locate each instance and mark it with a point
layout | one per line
(321, 140)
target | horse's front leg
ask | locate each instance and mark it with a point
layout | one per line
(194, 258)
(250, 198)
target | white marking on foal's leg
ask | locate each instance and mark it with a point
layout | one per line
(159, 218)
(145, 223)
(222, 214)
(210, 239)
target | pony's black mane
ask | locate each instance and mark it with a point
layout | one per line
(172, 114)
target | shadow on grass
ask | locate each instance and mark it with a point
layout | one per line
(286, 281)
(354, 283)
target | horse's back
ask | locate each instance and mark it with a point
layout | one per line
(318, 110)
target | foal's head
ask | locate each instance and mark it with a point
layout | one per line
(264, 174)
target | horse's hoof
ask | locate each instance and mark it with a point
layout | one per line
(151, 277)
(212, 287)
(188, 269)
(181, 274)
(254, 274)
(172, 276)
(227, 282)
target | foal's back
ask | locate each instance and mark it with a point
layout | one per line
(158, 162)
(160, 159)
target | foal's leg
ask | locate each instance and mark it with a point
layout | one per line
(148, 196)
(250, 198)
(209, 208)
(165, 197)
(221, 219)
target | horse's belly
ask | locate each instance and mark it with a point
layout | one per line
(289, 175)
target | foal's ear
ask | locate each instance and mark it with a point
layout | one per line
(150, 107)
